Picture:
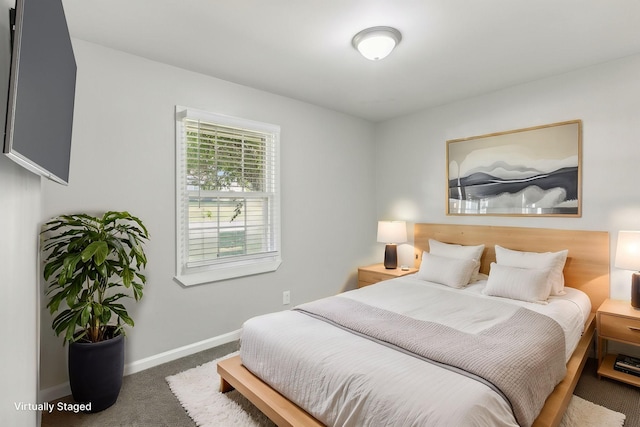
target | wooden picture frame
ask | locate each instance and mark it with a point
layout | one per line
(535, 171)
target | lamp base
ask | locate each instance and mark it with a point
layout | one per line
(635, 291)
(391, 256)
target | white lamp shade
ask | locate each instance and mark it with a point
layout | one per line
(392, 231)
(628, 250)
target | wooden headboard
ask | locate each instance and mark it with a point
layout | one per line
(587, 266)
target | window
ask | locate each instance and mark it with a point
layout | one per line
(228, 206)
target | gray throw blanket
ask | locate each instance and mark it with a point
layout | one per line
(523, 356)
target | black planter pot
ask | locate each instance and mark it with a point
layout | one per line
(95, 372)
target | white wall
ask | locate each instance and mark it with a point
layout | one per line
(19, 217)
(123, 159)
(411, 150)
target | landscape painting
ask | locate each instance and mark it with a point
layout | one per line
(531, 172)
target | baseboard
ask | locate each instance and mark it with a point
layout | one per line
(187, 350)
(56, 392)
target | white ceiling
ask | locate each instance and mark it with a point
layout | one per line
(450, 49)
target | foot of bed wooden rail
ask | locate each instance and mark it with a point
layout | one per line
(275, 406)
(225, 387)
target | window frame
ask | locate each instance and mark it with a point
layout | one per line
(234, 266)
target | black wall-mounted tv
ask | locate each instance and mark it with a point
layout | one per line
(41, 90)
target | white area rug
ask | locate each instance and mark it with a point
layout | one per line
(582, 413)
(197, 391)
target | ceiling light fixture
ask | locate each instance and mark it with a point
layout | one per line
(376, 43)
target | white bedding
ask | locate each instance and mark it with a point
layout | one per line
(346, 380)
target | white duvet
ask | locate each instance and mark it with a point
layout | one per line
(346, 380)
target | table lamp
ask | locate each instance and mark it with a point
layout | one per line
(391, 233)
(628, 258)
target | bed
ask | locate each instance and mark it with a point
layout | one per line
(342, 362)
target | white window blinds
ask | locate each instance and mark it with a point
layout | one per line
(228, 196)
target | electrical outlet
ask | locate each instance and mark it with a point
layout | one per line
(286, 297)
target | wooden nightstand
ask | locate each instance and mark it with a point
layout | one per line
(377, 273)
(616, 321)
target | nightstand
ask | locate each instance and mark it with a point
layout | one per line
(616, 321)
(377, 273)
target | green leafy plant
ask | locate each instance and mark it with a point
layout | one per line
(93, 263)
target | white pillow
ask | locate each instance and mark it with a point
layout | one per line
(525, 284)
(450, 250)
(451, 272)
(552, 261)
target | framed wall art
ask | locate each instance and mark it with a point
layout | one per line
(526, 172)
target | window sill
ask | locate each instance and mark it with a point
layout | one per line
(226, 272)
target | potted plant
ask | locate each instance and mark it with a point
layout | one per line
(91, 264)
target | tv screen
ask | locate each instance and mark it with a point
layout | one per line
(41, 90)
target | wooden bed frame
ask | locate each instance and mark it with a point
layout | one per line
(587, 269)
